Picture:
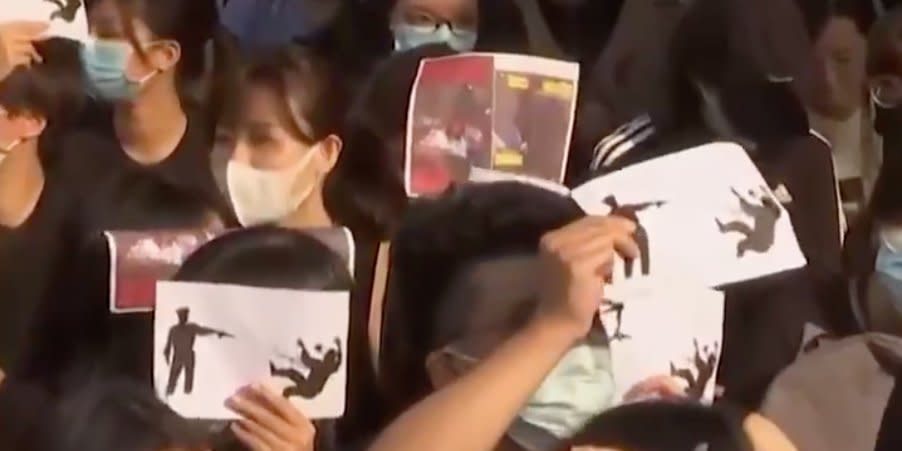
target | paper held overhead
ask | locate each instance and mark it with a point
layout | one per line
(66, 18)
(705, 214)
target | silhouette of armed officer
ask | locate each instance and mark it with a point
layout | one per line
(67, 9)
(180, 346)
(760, 236)
(320, 370)
(641, 236)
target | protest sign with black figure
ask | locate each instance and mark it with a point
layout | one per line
(296, 344)
(712, 229)
(666, 332)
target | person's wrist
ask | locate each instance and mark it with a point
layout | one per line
(556, 332)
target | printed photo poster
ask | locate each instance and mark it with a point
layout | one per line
(211, 340)
(67, 18)
(489, 117)
(664, 334)
(705, 215)
(139, 259)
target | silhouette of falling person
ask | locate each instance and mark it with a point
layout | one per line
(180, 346)
(641, 235)
(617, 308)
(760, 236)
(705, 362)
(67, 9)
(320, 371)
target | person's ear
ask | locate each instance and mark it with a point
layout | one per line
(167, 55)
(330, 149)
(440, 368)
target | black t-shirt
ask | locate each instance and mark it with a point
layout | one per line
(87, 161)
(28, 258)
(92, 154)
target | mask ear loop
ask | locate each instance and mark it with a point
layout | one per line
(8, 149)
(875, 97)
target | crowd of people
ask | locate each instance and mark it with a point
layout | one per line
(270, 117)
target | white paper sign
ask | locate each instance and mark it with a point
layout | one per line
(67, 18)
(211, 340)
(667, 332)
(705, 215)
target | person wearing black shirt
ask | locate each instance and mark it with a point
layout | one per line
(157, 105)
(35, 102)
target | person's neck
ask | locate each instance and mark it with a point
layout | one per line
(151, 129)
(310, 214)
(21, 184)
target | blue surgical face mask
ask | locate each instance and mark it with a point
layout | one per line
(579, 387)
(576, 390)
(105, 63)
(412, 36)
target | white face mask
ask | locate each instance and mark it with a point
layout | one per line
(576, 390)
(260, 196)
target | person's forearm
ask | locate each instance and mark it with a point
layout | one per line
(474, 411)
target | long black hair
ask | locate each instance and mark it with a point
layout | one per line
(734, 46)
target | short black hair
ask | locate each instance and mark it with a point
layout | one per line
(268, 257)
(677, 426)
(53, 88)
(437, 241)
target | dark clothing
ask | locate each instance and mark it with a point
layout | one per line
(24, 413)
(73, 325)
(630, 73)
(581, 30)
(28, 255)
(92, 156)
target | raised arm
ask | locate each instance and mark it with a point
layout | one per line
(484, 401)
(205, 331)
